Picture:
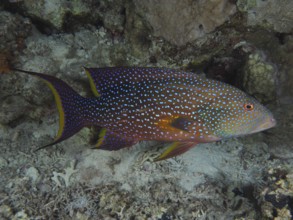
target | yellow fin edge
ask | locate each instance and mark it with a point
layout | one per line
(60, 109)
(101, 137)
(92, 83)
(169, 149)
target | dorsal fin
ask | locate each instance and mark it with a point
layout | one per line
(106, 80)
(92, 81)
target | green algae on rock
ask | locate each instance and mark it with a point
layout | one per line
(259, 78)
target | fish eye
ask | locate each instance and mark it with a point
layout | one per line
(248, 107)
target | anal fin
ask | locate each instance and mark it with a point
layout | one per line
(111, 141)
(175, 149)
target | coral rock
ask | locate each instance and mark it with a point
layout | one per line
(183, 21)
(259, 78)
(277, 15)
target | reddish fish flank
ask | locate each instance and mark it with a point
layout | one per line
(134, 104)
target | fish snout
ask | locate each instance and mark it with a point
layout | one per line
(273, 122)
(269, 122)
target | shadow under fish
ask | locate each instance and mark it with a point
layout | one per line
(132, 104)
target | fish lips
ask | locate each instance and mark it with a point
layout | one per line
(267, 123)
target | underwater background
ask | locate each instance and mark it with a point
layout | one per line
(246, 43)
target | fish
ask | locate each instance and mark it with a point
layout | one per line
(132, 104)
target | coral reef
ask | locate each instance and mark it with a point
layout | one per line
(278, 197)
(181, 22)
(260, 77)
(243, 178)
(57, 16)
(276, 15)
(13, 29)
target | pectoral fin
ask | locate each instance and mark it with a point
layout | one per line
(111, 141)
(181, 123)
(175, 149)
(174, 123)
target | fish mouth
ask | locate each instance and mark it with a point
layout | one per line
(267, 123)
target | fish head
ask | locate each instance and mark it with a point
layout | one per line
(235, 113)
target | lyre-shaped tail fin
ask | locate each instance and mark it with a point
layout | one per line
(68, 103)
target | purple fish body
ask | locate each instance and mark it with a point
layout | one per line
(135, 104)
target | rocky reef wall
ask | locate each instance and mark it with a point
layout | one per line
(246, 43)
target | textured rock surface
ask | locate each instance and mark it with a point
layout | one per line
(235, 179)
(66, 15)
(275, 50)
(12, 108)
(260, 77)
(183, 21)
(54, 12)
(13, 31)
(286, 76)
(277, 15)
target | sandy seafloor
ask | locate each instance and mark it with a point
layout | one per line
(212, 181)
(242, 178)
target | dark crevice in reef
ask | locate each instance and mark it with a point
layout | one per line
(248, 193)
(282, 37)
(226, 70)
(43, 26)
(17, 121)
(290, 204)
(73, 23)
